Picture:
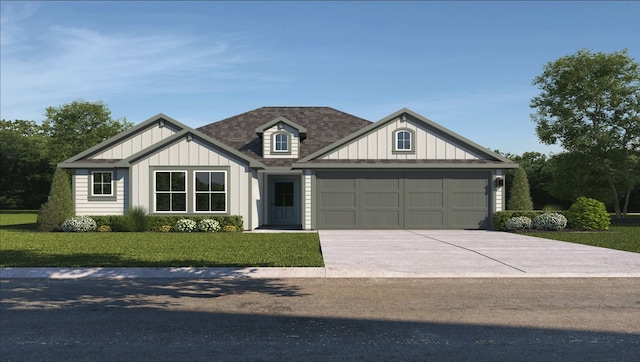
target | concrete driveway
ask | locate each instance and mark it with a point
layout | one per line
(466, 253)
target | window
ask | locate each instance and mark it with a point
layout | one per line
(281, 142)
(171, 191)
(403, 140)
(102, 183)
(210, 191)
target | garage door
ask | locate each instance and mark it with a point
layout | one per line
(402, 200)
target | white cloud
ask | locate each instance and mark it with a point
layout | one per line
(72, 62)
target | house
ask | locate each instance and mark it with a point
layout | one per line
(307, 167)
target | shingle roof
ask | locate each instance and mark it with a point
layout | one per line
(324, 126)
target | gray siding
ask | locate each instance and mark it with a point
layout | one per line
(137, 142)
(403, 199)
(85, 205)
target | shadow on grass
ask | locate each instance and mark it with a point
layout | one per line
(34, 259)
(177, 320)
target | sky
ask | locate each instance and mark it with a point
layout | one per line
(467, 66)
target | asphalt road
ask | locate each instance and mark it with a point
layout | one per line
(320, 319)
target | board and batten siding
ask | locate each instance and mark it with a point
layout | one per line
(267, 139)
(378, 145)
(188, 154)
(84, 206)
(136, 143)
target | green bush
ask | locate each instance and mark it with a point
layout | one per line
(136, 219)
(59, 206)
(588, 214)
(520, 198)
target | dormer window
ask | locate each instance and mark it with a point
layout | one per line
(403, 141)
(281, 142)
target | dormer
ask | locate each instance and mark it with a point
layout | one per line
(281, 138)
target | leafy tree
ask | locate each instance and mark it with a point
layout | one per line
(26, 171)
(79, 125)
(60, 204)
(520, 198)
(590, 104)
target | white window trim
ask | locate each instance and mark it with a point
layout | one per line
(274, 143)
(411, 141)
(186, 192)
(92, 184)
(225, 192)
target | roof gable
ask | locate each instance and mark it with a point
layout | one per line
(459, 148)
(278, 120)
(100, 152)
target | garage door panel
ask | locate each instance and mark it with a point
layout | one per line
(411, 199)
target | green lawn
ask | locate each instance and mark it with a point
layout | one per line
(21, 246)
(618, 237)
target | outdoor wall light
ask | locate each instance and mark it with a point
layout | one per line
(499, 182)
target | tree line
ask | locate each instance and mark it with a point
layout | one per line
(589, 104)
(29, 151)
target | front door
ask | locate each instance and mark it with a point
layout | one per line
(284, 202)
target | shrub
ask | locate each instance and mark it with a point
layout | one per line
(136, 219)
(209, 225)
(518, 223)
(229, 229)
(588, 214)
(165, 228)
(104, 228)
(59, 206)
(78, 224)
(549, 221)
(520, 198)
(500, 218)
(186, 225)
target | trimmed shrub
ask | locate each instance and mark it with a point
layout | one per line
(104, 228)
(209, 225)
(165, 228)
(229, 229)
(520, 198)
(518, 223)
(186, 225)
(59, 206)
(159, 222)
(588, 214)
(78, 224)
(500, 218)
(549, 221)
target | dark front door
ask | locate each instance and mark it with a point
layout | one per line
(284, 203)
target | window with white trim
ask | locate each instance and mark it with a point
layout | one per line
(281, 142)
(210, 191)
(403, 141)
(101, 183)
(170, 191)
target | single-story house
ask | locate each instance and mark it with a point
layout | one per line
(306, 167)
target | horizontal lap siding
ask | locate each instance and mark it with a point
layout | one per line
(86, 206)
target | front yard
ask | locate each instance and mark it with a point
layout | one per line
(22, 246)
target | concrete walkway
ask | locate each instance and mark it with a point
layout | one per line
(404, 254)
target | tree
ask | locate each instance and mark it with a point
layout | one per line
(79, 125)
(26, 171)
(590, 104)
(520, 198)
(60, 204)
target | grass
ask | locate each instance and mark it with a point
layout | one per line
(625, 238)
(22, 246)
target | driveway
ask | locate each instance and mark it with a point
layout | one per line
(466, 253)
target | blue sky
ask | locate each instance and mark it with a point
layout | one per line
(465, 65)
